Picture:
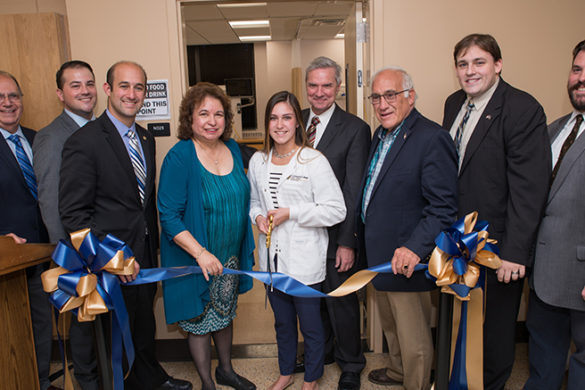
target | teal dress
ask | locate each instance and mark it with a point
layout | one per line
(225, 203)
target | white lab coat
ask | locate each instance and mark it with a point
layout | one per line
(310, 190)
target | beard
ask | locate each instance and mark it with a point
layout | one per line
(578, 103)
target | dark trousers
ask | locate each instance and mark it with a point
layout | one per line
(499, 330)
(81, 340)
(551, 330)
(146, 372)
(286, 310)
(42, 324)
(341, 323)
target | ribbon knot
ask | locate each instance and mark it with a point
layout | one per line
(86, 284)
(460, 252)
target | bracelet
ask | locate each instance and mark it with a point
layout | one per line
(200, 252)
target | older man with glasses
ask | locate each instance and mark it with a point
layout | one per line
(408, 197)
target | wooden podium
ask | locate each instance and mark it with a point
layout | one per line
(18, 364)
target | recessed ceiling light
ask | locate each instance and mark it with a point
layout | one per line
(238, 5)
(340, 36)
(255, 38)
(249, 23)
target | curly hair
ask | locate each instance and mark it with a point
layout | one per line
(193, 98)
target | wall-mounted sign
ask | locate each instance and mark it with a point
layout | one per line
(160, 129)
(156, 104)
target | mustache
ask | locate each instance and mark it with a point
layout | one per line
(576, 86)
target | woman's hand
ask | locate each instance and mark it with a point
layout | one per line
(209, 264)
(262, 223)
(280, 215)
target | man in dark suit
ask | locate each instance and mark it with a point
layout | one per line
(408, 197)
(19, 211)
(556, 310)
(107, 184)
(76, 89)
(504, 171)
(344, 139)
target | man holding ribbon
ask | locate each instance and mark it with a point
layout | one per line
(408, 197)
(504, 169)
(107, 184)
(20, 214)
(556, 310)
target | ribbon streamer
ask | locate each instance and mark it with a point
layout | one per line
(459, 264)
(86, 284)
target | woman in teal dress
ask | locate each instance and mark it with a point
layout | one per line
(203, 201)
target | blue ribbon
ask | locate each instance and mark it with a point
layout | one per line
(91, 258)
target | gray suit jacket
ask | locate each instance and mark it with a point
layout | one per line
(47, 150)
(559, 265)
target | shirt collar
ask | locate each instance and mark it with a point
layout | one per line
(81, 121)
(122, 128)
(481, 101)
(6, 133)
(325, 116)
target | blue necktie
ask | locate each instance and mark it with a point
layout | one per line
(461, 127)
(25, 165)
(137, 163)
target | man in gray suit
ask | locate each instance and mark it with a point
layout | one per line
(76, 89)
(556, 310)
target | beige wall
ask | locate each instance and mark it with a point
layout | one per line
(536, 38)
(32, 6)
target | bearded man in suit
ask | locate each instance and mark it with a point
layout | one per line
(504, 170)
(556, 310)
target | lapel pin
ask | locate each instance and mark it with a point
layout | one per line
(488, 117)
(404, 137)
(144, 138)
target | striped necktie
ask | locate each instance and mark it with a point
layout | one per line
(312, 130)
(566, 145)
(137, 163)
(25, 165)
(461, 127)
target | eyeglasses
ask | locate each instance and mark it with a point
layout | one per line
(12, 97)
(389, 96)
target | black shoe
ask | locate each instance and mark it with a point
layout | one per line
(234, 380)
(349, 381)
(300, 363)
(175, 384)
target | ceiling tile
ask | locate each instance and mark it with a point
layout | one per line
(192, 11)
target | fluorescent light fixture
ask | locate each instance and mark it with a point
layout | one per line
(240, 5)
(249, 23)
(255, 38)
(340, 36)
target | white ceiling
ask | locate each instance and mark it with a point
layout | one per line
(204, 23)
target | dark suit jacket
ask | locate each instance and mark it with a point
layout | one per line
(98, 187)
(413, 199)
(345, 143)
(506, 168)
(19, 210)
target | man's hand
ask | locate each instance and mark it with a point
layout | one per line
(17, 239)
(510, 271)
(403, 261)
(130, 278)
(583, 293)
(344, 258)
